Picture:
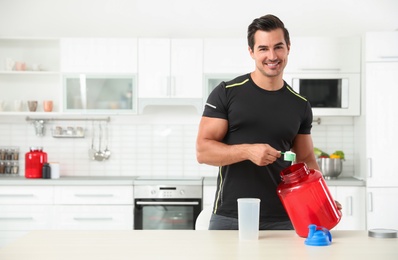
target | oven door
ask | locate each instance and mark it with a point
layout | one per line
(166, 213)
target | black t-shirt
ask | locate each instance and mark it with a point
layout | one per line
(256, 115)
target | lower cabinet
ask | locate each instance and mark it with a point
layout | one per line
(22, 209)
(93, 207)
(353, 201)
(26, 208)
(93, 217)
(382, 210)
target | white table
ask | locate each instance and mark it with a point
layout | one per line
(191, 244)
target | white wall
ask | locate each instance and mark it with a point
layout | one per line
(186, 18)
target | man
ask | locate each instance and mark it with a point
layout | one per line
(246, 124)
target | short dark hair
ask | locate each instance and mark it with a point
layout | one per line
(266, 23)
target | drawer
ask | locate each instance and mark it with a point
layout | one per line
(25, 217)
(95, 195)
(22, 195)
(93, 217)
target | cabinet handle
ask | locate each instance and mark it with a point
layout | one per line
(17, 219)
(188, 203)
(369, 168)
(320, 69)
(388, 57)
(370, 202)
(94, 195)
(17, 195)
(349, 206)
(92, 219)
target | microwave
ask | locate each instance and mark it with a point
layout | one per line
(328, 94)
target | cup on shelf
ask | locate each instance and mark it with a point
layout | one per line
(3, 105)
(18, 105)
(9, 64)
(20, 66)
(36, 67)
(32, 105)
(48, 105)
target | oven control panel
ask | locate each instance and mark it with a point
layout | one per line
(168, 192)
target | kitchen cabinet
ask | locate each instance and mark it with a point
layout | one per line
(382, 210)
(381, 46)
(227, 56)
(99, 55)
(38, 79)
(381, 129)
(99, 74)
(93, 207)
(380, 83)
(223, 60)
(324, 55)
(170, 72)
(22, 209)
(353, 202)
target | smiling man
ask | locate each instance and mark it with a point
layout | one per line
(246, 124)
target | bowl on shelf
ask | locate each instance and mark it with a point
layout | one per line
(331, 168)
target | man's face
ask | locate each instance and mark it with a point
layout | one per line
(270, 52)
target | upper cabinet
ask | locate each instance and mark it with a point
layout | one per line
(227, 56)
(99, 75)
(170, 71)
(29, 70)
(99, 55)
(381, 46)
(324, 55)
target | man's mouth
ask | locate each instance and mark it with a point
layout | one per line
(272, 64)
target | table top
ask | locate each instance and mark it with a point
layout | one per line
(191, 244)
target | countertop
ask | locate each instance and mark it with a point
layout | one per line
(129, 180)
(191, 244)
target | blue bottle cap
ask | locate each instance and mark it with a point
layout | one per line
(318, 236)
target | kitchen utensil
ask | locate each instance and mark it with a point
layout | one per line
(289, 156)
(107, 152)
(99, 155)
(92, 151)
(331, 168)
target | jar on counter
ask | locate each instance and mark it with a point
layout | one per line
(34, 160)
(307, 199)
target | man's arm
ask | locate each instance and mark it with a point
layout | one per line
(210, 149)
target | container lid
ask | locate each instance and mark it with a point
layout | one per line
(383, 233)
(318, 236)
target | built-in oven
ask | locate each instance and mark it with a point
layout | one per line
(167, 203)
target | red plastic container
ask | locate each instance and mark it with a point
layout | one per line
(307, 199)
(34, 161)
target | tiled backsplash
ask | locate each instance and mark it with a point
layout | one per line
(145, 146)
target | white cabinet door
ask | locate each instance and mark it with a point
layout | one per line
(170, 68)
(382, 210)
(227, 56)
(153, 68)
(324, 55)
(25, 217)
(353, 202)
(26, 195)
(99, 55)
(97, 195)
(381, 122)
(381, 46)
(93, 217)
